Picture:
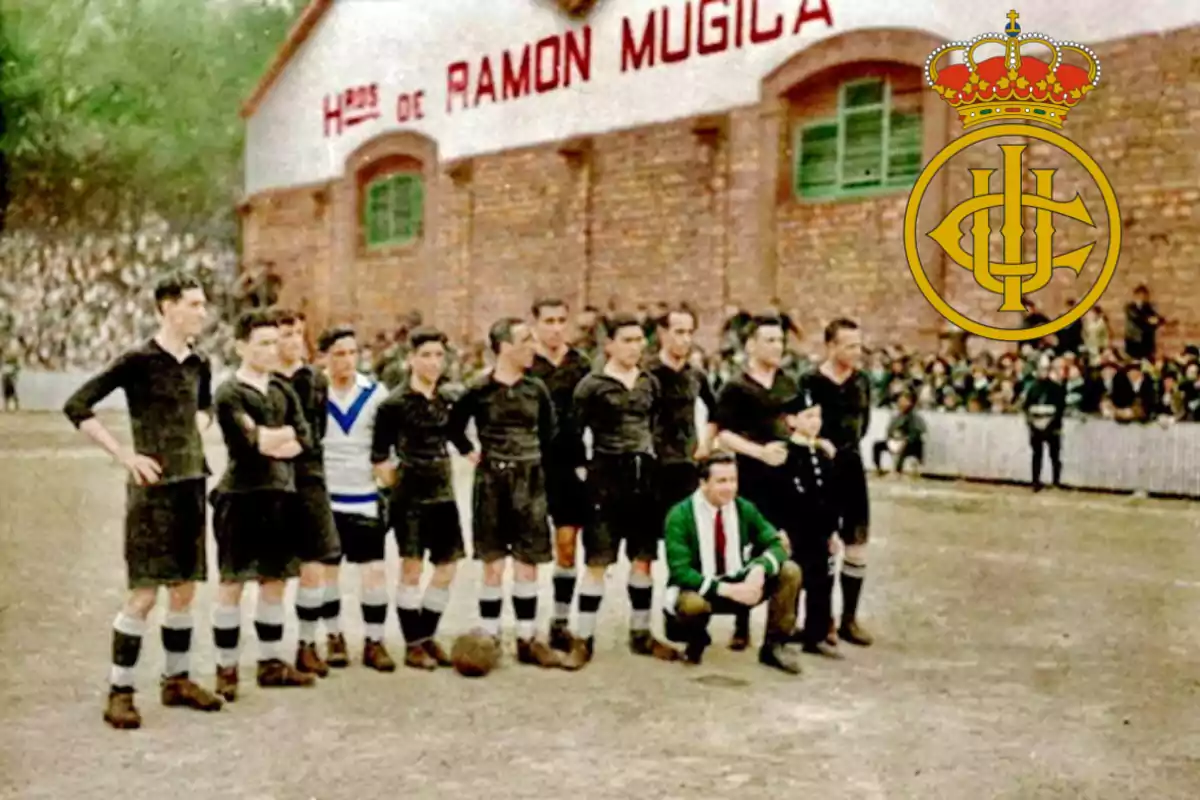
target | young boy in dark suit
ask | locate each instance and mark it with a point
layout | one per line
(811, 520)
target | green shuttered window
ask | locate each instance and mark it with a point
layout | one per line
(872, 145)
(394, 209)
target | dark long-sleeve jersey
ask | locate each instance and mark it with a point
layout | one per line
(623, 421)
(514, 423)
(242, 409)
(756, 412)
(680, 389)
(561, 380)
(163, 395)
(417, 429)
(312, 389)
(845, 407)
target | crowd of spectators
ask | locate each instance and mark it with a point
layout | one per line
(75, 304)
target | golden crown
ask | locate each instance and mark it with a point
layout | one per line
(1011, 86)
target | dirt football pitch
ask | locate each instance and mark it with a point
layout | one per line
(1028, 647)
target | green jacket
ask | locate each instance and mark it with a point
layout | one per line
(689, 546)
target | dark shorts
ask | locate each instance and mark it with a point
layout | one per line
(567, 497)
(432, 528)
(255, 540)
(509, 512)
(851, 501)
(164, 534)
(625, 507)
(676, 482)
(316, 537)
(767, 489)
(362, 537)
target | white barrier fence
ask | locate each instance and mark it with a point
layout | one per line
(1097, 453)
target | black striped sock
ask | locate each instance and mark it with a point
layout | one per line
(268, 624)
(490, 603)
(177, 643)
(641, 595)
(408, 611)
(525, 602)
(128, 631)
(564, 593)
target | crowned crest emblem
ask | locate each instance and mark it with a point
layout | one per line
(1013, 86)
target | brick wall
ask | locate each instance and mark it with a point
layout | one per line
(701, 210)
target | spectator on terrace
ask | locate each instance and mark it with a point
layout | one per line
(1134, 398)
(1142, 322)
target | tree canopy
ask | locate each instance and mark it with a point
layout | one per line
(115, 108)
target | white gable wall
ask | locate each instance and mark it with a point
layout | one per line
(406, 45)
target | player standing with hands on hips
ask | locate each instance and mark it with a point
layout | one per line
(168, 390)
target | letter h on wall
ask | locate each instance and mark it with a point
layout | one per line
(333, 114)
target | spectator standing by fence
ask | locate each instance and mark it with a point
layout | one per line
(1044, 405)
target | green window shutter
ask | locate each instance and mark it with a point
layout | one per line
(377, 212)
(394, 209)
(904, 149)
(817, 160)
(874, 143)
(857, 94)
(409, 204)
(862, 149)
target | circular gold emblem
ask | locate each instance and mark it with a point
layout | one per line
(1013, 278)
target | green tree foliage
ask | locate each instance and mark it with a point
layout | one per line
(116, 108)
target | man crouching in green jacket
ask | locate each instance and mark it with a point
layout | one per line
(723, 557)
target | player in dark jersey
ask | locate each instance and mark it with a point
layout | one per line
(168, 391)
(316, 537)
(680, 445)
(414, 424)
(561, 368)
(514, 419)
(843, 392)
(265, 429)
(620, 406)
(750, 415)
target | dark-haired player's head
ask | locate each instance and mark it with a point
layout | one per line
(626, 340)
(292, 347)
(718, 478)
(339, 348)
(180, 302)
(676, 330)
(257, 340)
(512, 342)
(764, 341)
(550, 321)
(1141, 293)
(843, 343)
(427, 354)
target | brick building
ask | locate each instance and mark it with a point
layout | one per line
(404, 155)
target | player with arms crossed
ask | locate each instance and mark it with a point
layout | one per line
(354, 402)
(264, 429)
(843, 392)
(620, 405)
(414, 424)
(514, 419)
(168, 391)
(561, 368)
(317, 543)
